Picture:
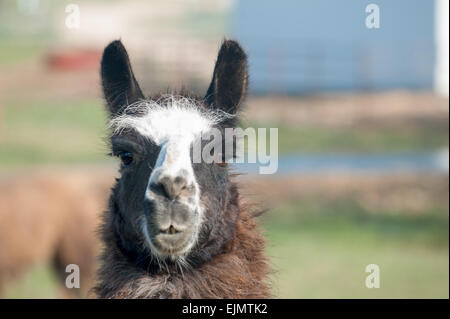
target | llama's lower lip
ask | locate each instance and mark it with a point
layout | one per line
(163, 235)
(172, 243)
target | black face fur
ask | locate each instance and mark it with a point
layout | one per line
(131, 209)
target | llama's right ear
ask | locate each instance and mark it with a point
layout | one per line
(119, 84)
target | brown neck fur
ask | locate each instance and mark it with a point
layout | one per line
(240, 270)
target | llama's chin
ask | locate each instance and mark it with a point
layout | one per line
(171, 246)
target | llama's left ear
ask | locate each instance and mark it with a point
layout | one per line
(228, 87)
(119, 84)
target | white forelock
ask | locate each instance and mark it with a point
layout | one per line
(167, 118)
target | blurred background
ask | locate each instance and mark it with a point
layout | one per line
(362, 117)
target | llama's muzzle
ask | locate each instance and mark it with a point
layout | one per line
(172, 224)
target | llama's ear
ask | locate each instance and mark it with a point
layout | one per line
(229, 82)
(119, 84)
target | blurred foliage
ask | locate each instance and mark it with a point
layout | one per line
(365, 140)
(345, 217)
(13, 52)
(40, 132)
(39, 282)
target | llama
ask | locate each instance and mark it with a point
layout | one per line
(175, 228)
(51, 218)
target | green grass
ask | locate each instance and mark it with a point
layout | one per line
(14, 52)
(320, 250)
(39, 282)
(361, 139)
(42, 132)
(308, 267)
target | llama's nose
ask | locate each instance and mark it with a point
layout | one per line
(172, 187)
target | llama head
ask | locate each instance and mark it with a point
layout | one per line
(167, 204)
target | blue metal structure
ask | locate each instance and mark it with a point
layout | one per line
(307, 46)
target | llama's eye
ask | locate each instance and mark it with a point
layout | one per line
(126, 158)
(220, 161)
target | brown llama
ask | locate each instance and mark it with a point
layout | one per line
(51, 218)
(176, 228)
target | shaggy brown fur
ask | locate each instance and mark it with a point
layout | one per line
(51, 217)
(240, 271)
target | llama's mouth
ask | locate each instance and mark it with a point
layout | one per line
(170, 230)
(172, 244)
(169, 242)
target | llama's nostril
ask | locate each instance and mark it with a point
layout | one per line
(158, 189)
(170, 187)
